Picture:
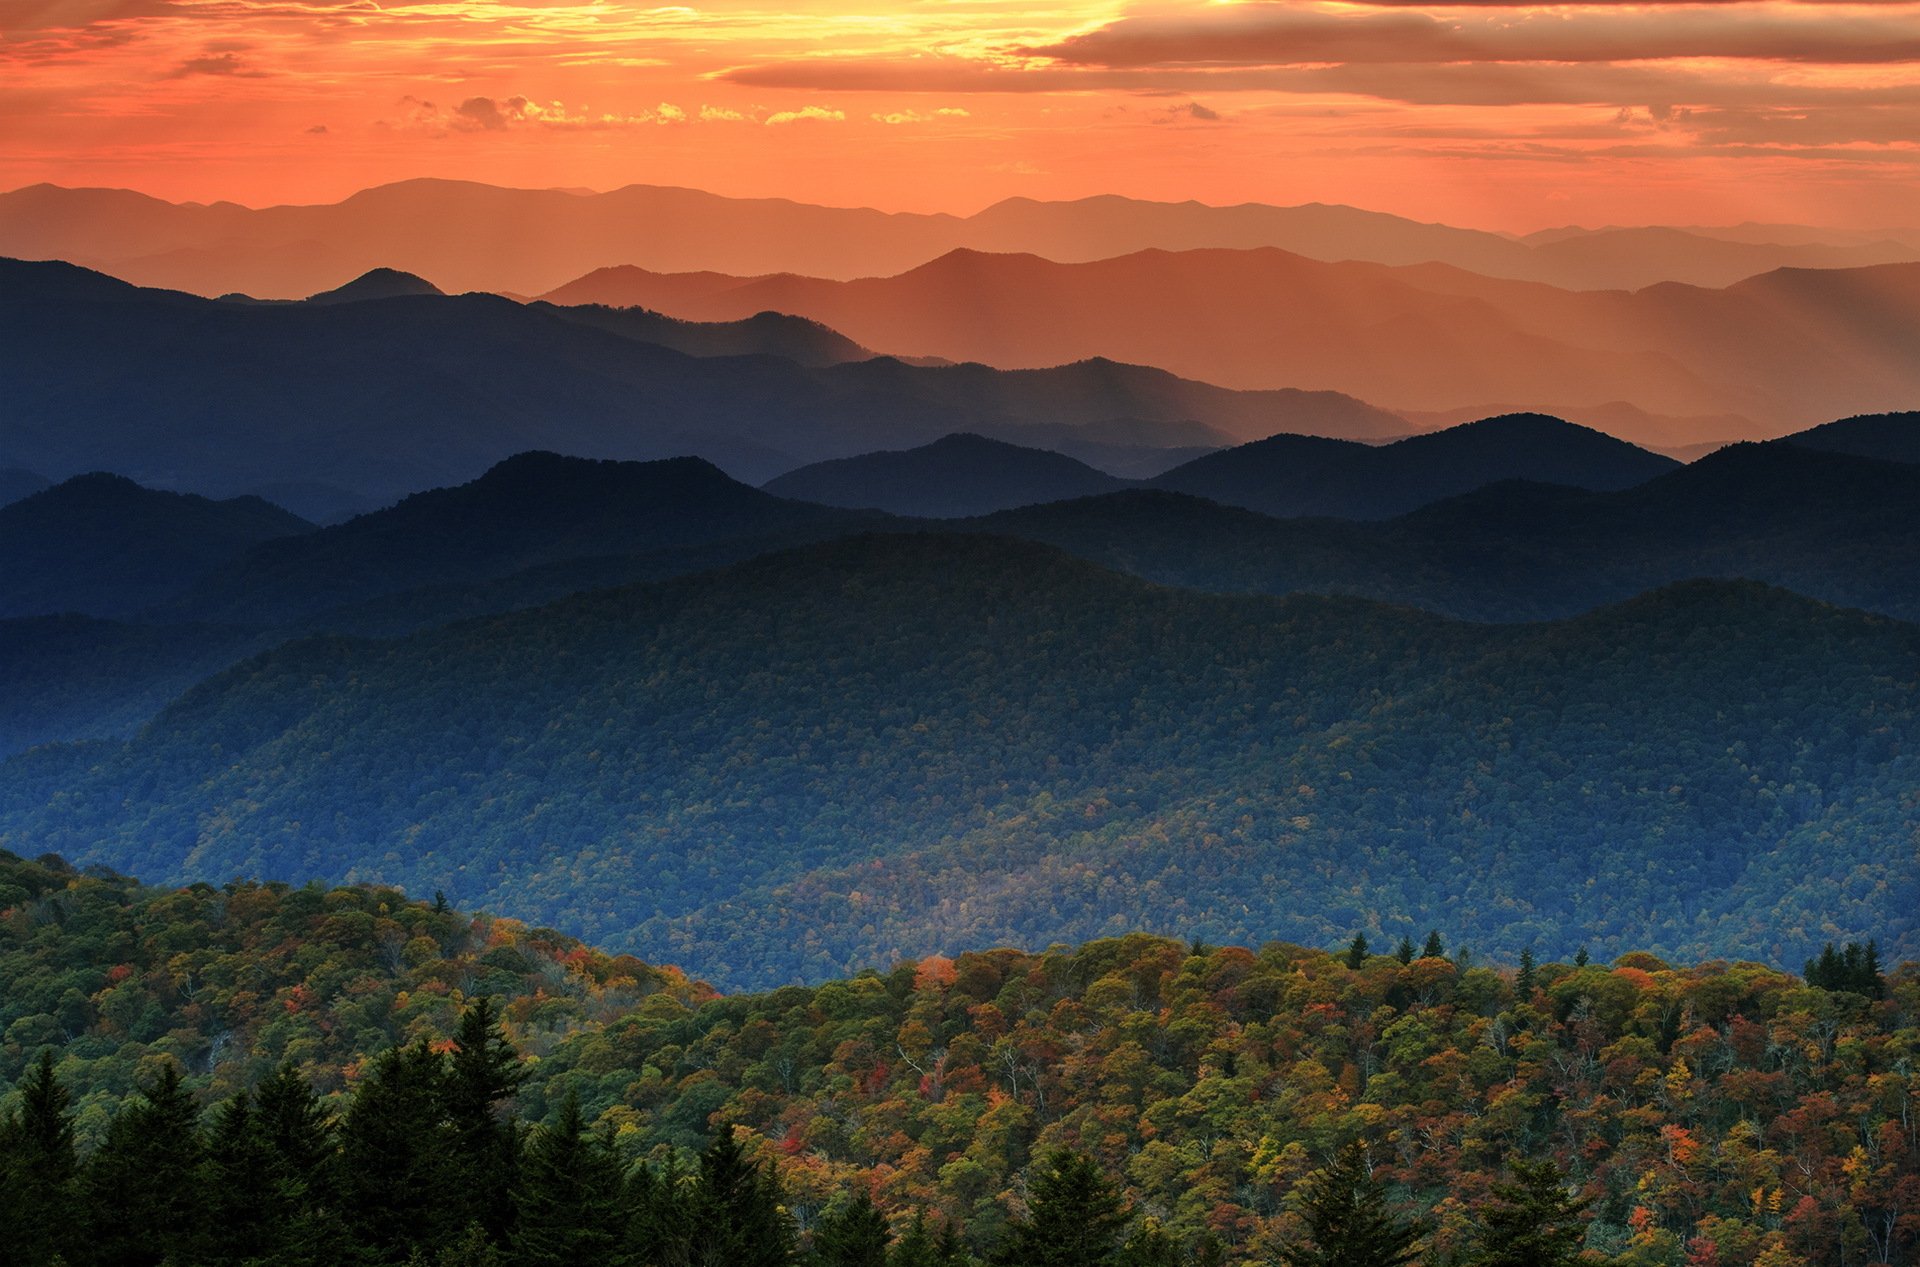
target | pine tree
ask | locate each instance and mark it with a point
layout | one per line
(483, 1072)
(737, 1212)
(1435, 948)
(1357, 952)
(143, 1186)
(569, 1202)
(660, 1206)
(1348, 1222)
(1150, 1246)
(1532, 1221)
(1580, 958)
(1405, 951)
(242, 1213)
(394, 1180)
(38, 1170)
(299, 1138)
(1524, 983)
(1074, 1218)
(916, 1247)
(851, 1234)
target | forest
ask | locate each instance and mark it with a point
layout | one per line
(881, 748)
(260, 1073)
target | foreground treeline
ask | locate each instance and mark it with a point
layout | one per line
(1714, 1115)
(427, 1166)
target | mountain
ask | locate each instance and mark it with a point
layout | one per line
(890, 745)
(377, 283)
(422, 391)
(763, 334)
(1290, 475)
(533, 509)
(452, 231)
(1780, 350)
(68, 678)
(1828, 525)
(956, 476)
(104, 546)
(1891, 437)
(15, 484)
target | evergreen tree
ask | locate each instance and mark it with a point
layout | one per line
(1435, 948)
(298, 1135)
(1150, 1246)
(38, 1170)
(241, 1199)
(1405, 951)
(1075, 1217)
(1580, 958)
(1348, 1222)
(916, 1248)
(660, 1206)
(394, 1173)
(143, 1184)
(1357, 952)
(569, 1202)
(483, 1072)
(1532, 1221)
(851, 1234)
(738, 1219)
(1526, 980)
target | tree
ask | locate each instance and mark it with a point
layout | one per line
(1075, 1217)
(569, 1199)
(1357, 951)
(1532, 1220)
(1348, 1222)
(394, 1170)
(38, 1169)
(1524, 982)
(852, 1233)
(660, 1216)
(483, 1072)
(1404, 952)
(738, 1219)
(143, 1184)
(1435, 948)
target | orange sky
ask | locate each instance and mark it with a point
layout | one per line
(1497, 115)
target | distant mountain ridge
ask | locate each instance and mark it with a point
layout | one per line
(1891, 437)
(1779, 350)
(450, 231)
(416, 392)
(734, 765)
(104, 546)
(1289, 475)
(955, 476)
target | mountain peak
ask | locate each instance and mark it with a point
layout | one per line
(377, 283)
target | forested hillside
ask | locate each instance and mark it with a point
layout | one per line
(259, 1073)
(888, 746)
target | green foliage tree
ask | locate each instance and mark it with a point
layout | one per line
(1357, 951)
(1435, 948)
(394, 1158)
(38, 1170)
(1075, 1217)
(1349, 1223)
(853, 1233)
(483, 1072)
(1531, 1221)
(143, 1186)
(570, 1204)
(738, 1215)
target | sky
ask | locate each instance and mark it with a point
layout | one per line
(1500, 115)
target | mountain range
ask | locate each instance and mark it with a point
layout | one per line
(1782, 350)
(401, 394)
(924, 742)
(466, 236)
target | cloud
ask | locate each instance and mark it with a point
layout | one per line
(807, 114)
(914, 116)
(227, 64)
(715, 114)
(500, 114)
(1271, 33)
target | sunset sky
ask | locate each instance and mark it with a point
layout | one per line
(1499, 115)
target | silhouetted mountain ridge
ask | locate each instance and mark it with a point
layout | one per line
(955, 476)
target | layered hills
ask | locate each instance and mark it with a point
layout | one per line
(452, 232)
(412, 392)
(926, 742)
(1783, 350)
(955, 476)
(105, 546)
